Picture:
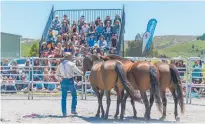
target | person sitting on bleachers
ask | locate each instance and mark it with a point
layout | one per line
(102, 42)
(95, 50)
(97, 21)
(108, 33)
(65, 29)
(81, 22)
(75, 41)
(59, 39)
(92, 29)
(60, 49)
(56, 24)
(43, 48)
(100, 30)
(65, 19)
(74, 29)
(114, 41)
(117, 17)
(116, 27)
(50, 36)
(84, 29)
(82, 40)
(91, 41)
(107, 20)
(69, 48)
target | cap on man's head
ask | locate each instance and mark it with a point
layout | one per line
(56, 16)
(65, 16)
(98, 17)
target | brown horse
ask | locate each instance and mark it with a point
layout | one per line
(169, 78)
(104, 77)
(143, 76)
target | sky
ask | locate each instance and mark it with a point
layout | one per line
(174, 18)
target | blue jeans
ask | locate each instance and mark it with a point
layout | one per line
(66, 85)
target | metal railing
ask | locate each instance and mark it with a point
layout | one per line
(188, 74)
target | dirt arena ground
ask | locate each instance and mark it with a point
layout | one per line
(47, 110)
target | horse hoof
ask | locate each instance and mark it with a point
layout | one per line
(106, 117)
(115, 116)
(135, 116)
(102, 116)
(121, 117)
(147, 118)
(97, 115)
(162, 118)
(177, 119)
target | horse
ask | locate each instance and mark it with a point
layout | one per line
(103, 77)
(170, 78)
(142, 76)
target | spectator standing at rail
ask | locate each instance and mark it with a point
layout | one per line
(196, 73)
(43, 48)
(65, 74)
(182, 68)
(6, 68)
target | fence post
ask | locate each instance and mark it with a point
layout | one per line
(187, 81)
(83, 80)
(32, 79)
(29, 74)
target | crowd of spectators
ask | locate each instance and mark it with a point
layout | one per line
(42, 74)
(81, 37)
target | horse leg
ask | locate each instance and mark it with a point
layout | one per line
(108, 104)
(133, 107)
(147, 106)
(151, 100)
(98, 96)
(164, 102)
(119, 99)
(101, 105)
(123, 106)
(177, 118)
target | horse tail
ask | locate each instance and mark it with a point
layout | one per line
(155, 87)
(123, 79)
(179, 90)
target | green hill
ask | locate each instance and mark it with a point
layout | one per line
(185, 49)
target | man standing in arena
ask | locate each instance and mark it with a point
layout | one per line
(65, 74)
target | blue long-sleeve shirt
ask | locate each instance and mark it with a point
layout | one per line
(100, 30)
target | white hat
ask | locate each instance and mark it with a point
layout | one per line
(56, 16)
